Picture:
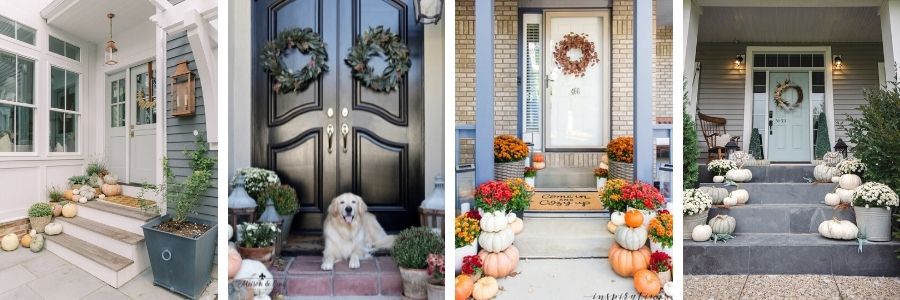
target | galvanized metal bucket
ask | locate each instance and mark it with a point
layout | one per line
(181, 265)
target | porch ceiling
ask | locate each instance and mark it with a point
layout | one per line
(87, 18)
(790, 24)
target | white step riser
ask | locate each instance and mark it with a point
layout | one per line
(113, 278)
(134, 191)
(111, 219)
(113, 245)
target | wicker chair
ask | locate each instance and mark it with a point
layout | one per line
(712, 127)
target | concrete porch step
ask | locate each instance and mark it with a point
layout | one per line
(771, 173)
(790, 254)
(564, 238)
(301, 277)
(121, 242)
(782, 193)
(109, 267)
(114, 215)
(590, 278)
(780, 218)
(572, 178)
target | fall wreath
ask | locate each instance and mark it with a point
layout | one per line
(307, 42)
(779, 94)
(379, 41)
(575, 41)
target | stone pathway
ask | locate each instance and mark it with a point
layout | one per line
(301, 277)
(790, 287)
(44, 276)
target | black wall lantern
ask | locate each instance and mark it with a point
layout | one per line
(429, 11)
(841, 147)
(731, 147)
(837, 61)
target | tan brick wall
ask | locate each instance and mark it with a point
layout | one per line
(19, 227)
(662, 73)
(465, 74)
(622, 66)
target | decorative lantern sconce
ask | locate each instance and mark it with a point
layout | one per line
(837, 61)
(739, 61)
(841, 146)
(431, 211)
(731, 147)
(241, 207)
(183, 91)
(109, 54)
(429, 11)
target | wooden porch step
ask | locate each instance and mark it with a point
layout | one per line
(96, 254)
(103, 229)
(120, 210)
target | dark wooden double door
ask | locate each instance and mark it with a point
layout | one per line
(339, 136)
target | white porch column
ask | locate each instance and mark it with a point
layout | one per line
(643, 83)
(691, 26)
(890, 37)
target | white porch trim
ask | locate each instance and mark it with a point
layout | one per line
(690, 74)
(748, 91)
(890, 36)
(790, 3)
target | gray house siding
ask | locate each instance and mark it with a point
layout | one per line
(721, 87)
(180, 130)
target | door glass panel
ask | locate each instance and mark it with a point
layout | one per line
(7, 77)
(63, 131)
(117, 103)
(144, 100)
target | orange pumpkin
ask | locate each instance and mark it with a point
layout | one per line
(464, 286)
(499, 264)
(626, 262)
(538, 157)
(647, 284)
(634, 218)
(234, 262)
(68, 194)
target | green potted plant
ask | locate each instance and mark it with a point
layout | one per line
(55, 194)
(435, 276)
(286, 204)
(411, 249)
(258, 241)
(601, 174)
(75, 182)
(530, 175)
(872, 205)
(182, 246)
(521, 196)
(39, 214)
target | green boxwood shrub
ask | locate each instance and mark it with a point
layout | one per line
(283, 196)
(691, 152)
(40, 209)
(412, 246)
(876, 135)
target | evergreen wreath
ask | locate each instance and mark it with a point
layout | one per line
(779, 91)
(307, 42)
(379, 41)
(575, 41)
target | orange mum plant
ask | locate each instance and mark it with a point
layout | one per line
(660, 229)
(611, 195)
(621, 149)
(508, 148)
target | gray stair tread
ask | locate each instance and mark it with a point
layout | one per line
(112, 232)
(120, 210)
(564, 238)
(785, 239)
(99, 255)
(566, 178)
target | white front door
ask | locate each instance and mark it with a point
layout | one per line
(576, 106)
(117, 137)
(789, 135)
(142, 125)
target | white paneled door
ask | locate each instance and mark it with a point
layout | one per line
(117, 135)
(131, 125)
(576, 114)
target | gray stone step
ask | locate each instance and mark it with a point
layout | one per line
(783, 193)
(790, 254)
(564, 238)
(565, 178)
(772, 173)
(780, 218)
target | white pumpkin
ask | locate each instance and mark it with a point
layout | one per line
(846, 196)
(832, 158)
(9, 242)
(718, 179)
(101, 197)
(839, 230)
(631, 238)
(87, 192)
(739, 175)
(82, 200)
(76, 192)
(730, 201)
(493, 222)
(722, 224)
(850, 181)
(517, 226)
(701, 233)
(70, 210)
(835, 179)
(258, 278)
(741, 195)
(611, 227)
(832, 199)
(717, 194)
(496, 241)
(617, 218)
(53, 229)
(511, 217)
(823, 172)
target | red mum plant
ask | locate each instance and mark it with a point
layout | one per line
(492, 196)
(660, 262)
(473, 214)
(471, 265)
(642, 196)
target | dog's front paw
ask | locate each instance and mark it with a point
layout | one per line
(354, 262)
(327, 266)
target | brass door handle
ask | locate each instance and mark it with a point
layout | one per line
(131, 133)
(329, 130)
(345, 130)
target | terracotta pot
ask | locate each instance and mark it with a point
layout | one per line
(263, 255)
(414, 282)
(435, 292)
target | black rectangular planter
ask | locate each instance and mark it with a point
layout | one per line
(181, 265)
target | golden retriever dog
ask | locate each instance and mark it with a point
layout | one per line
(350, 232)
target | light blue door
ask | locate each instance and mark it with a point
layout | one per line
(789, 132)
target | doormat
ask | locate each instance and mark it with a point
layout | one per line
(131, 202)
(565, 201)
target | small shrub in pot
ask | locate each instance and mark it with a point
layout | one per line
(410, 251)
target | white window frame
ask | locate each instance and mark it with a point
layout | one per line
(748, 89)
(78, 133)
(65, 42)
(16, 29)
(35, 108)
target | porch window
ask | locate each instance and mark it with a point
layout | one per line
(16, 103)
(63, 110)
(65, 49)
(16, 30)
(532, 83)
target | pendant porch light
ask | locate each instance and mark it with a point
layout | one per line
(111, 49)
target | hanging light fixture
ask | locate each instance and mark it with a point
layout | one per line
(111, 49)
(429, 11)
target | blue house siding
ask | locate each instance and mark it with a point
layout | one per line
(180, 130)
